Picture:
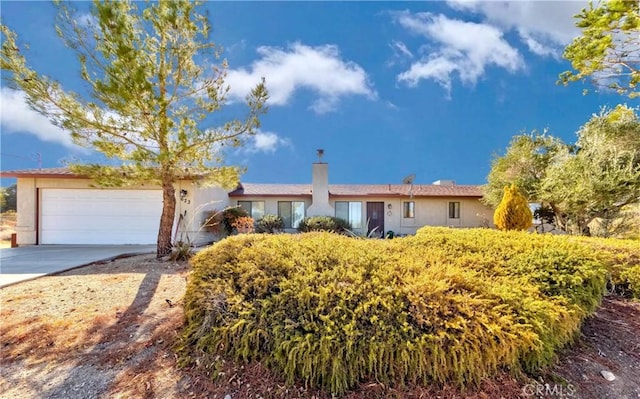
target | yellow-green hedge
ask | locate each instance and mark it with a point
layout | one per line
(443, 306)
(623, 260)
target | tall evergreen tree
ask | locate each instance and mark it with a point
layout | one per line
(154, 79)
(513, 212)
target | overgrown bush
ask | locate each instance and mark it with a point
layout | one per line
(181, 251)
(222, 222)
(244, 225)
(323, 223)
(630, 281)
(213, 221)
(513, 212)
(270, 224)
(442, 306)
(623, 260)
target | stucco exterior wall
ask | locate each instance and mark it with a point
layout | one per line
(392, 220)
(428, 211)
(192, 207)
(195, 202)
(271, 204)
(435, 212)
(320, 204)
(26, 212)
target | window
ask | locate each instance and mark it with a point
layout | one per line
(255, 209)
(291, 213)
(409, 209)
(351, 212)
(454, 210)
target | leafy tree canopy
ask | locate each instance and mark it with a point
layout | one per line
(608, 51)
(524, 164)
(595, 178)
(8, 198)
(154, 79)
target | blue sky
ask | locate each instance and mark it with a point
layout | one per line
(385, 88)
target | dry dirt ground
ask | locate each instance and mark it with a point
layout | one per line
(108, 331)
(7, 227)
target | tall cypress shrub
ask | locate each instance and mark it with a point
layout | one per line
(513, 212)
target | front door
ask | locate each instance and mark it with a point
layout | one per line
(375, 218)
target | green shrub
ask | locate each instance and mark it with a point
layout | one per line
(323, 223)
(270, 224)
(442, 306)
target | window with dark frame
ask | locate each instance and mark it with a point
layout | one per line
(454, 210)
(291, 212)
(409, 210)
(255, 209)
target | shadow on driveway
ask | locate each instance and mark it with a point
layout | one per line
(29, 262)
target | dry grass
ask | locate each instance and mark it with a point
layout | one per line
(113, 317)
(7, 227)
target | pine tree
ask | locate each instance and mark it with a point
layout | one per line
(155, 83)
(513, 212)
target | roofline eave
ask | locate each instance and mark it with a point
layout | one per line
(354, 196)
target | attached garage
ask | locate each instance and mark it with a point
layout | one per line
(57, 206)
(95, 216)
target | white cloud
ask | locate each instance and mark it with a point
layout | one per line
(17, 117)
(267, 142)
(437, 68)
(401, 53)
(536, 45)
(391, 105)
(544, 26)
(318, 69)
(400, 49)
(459, 48)
(236, 47)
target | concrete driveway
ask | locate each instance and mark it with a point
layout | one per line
(26, 263)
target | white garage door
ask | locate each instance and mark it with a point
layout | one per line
(88, 216)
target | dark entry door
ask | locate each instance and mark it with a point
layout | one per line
(375, 218)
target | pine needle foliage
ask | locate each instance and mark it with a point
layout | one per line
(623, 258)
(513, 212)
(444, 306)
(153, 98)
